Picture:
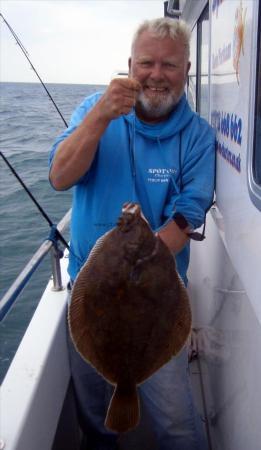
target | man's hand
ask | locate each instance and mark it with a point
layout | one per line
(119, 98)
(75, 154)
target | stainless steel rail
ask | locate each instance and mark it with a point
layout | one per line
(16, 288)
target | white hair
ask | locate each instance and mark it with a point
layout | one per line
(165, 27)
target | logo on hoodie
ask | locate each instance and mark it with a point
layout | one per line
(160, 175)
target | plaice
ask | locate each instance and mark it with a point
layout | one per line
(129, 312)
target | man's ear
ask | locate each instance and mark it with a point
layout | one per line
(129, 64)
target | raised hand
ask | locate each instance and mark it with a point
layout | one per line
(119, 98)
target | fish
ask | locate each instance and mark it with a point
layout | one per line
(129, 312)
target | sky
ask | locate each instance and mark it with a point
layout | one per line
(70, 41)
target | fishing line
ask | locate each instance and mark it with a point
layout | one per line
(19, 43)
(133, 156)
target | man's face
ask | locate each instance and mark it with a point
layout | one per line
(161, 66)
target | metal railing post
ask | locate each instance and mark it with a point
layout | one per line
(21, 281)
(56, 255)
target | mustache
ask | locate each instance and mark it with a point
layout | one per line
(155, 85)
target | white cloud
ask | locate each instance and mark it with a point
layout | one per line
(73, 41)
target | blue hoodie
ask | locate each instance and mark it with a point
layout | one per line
(167, 167)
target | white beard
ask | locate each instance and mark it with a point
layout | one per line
(156, 110)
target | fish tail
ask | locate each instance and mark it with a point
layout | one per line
(124, 410)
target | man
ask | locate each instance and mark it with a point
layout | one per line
(140, 141)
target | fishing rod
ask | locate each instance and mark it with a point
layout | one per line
(55, 232)
(47, 218)
(19, 43)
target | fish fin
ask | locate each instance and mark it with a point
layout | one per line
(124, 409)
(97, 248)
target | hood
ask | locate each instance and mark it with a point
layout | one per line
(175, 123)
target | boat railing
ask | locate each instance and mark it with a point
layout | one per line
(18, 285)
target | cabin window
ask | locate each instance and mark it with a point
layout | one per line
(254, 162)
(257, 141)
(203, 64)
(192, 78)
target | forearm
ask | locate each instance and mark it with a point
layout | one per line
(76, 153)
(174, 237)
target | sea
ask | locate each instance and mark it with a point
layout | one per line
(29, 124)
